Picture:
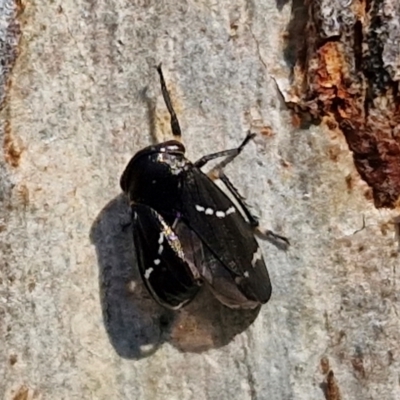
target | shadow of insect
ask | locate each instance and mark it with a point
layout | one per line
(135, 323)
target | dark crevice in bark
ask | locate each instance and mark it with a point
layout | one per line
(358, 41)
(296, 45)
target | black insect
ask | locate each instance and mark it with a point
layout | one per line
(187, 231)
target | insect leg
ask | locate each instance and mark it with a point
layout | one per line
(279, 241)
(218, 173)
(253, 220)
(269, 235)
(176, 129)
(229, 154)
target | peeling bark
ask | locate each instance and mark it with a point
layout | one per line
(347, 70)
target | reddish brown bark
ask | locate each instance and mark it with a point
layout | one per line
(346, 68)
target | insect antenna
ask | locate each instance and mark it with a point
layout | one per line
(176, 129)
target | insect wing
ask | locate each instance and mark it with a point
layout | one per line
(219, 279)
(171, 280)
(223, 229)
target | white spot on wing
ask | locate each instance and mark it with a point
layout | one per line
(148, 272)
(161, 238)
(157, 261)
(210, 211)
(160, 249)
(257, 256)
(246, 274)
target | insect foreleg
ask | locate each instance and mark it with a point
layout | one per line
(229, 154)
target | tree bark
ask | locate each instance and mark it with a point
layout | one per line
(319, 84)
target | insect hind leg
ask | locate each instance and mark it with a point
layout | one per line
(217, 173)
(279, 241)
(252, 219)
(176, 129)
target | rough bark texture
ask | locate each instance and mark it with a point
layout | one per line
(347, 68)
(80, 96)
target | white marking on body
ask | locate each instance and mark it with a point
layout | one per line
(257, 256)
(148, 272)
(179, 305)
(161, 238)
(175, 223)
(160, 249)
(146, 348)
(157, 261)
(219, 214)
(246, 274)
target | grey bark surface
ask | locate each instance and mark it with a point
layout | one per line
(80, 95)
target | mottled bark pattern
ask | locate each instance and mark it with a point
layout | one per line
(346, 66)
